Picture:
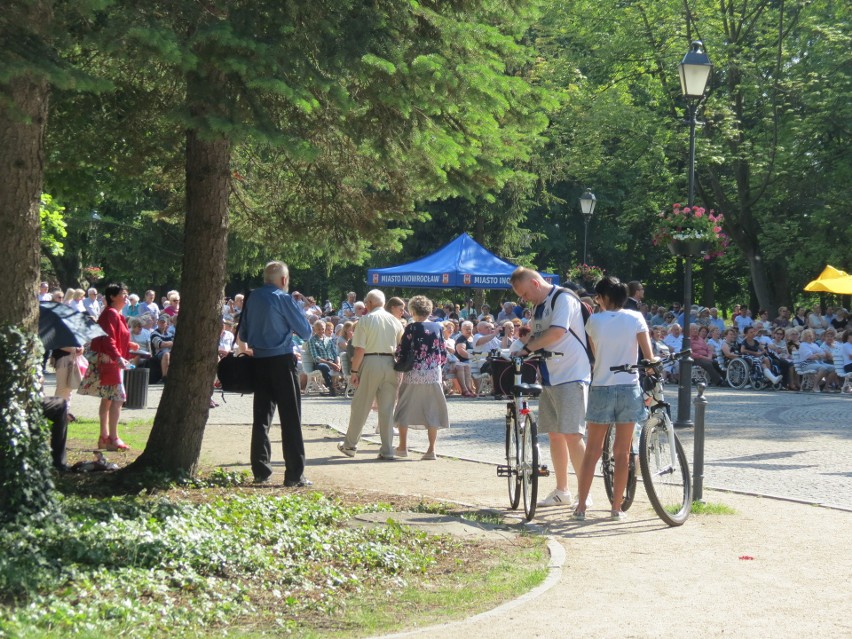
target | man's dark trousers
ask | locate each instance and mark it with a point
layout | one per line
(277, 385)
(56, 411)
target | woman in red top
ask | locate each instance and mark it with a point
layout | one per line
(113, 351)
(702, 354)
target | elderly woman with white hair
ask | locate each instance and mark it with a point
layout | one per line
(132, 308)
(421, 402)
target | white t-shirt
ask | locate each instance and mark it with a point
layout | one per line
(743, 323)
(613, 334)
(806, 350)
(847, 353)
(715, 345)
(674, 343)
(573, 364)
(485, 347)
(226, 341)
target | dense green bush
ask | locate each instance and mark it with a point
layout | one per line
(164, 568)
(26, 484)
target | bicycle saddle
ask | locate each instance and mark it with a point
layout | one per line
(533, 390)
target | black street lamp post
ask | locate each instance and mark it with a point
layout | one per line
(587, 207)
(695, 71)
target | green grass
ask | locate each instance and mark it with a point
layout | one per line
(196, 561)
(460, 593)
(134, 432)
(711, 508)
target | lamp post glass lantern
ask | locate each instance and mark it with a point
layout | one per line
(587, 207)
(694, 71)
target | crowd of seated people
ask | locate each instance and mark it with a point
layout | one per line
(793, 345)
(804, 342)
(470, 333)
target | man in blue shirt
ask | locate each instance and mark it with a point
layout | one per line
(268, 322)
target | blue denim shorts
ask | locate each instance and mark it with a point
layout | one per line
(622, 404)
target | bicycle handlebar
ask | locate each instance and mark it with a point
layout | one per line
(658, 364)
(535, 355)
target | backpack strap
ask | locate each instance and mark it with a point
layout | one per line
(585, 312)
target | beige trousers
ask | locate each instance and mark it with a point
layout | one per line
(378, 380)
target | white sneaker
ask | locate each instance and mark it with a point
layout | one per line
(589, 503)
(556, 498)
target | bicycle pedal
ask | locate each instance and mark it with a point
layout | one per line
(505, 471)
(543, 471)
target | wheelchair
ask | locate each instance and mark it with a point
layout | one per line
(746, 370)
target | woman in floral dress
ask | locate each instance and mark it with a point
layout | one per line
(421, 402)
(103, 378)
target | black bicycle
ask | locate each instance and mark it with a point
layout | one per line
(523, 467)
(608, 471)
(665, 470)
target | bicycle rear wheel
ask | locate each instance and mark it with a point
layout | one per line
(512, 450)
(666, 476)
(529, 466)
(608, 471)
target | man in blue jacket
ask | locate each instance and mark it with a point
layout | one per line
(269, 320)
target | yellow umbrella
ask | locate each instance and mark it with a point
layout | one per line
(831, 280)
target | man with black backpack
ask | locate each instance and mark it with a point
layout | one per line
(558, 326)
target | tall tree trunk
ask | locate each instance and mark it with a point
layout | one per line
(23, 121)
(27, 486)
(175, 440)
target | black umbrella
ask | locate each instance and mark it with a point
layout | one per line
(60, 326)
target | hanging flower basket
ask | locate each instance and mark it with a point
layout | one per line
(691, 231)
(93, 273)
(586, 274)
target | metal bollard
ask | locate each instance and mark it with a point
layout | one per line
(700, 404)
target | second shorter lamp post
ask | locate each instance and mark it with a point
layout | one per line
(587, 207)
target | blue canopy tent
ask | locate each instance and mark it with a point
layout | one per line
(463, 263)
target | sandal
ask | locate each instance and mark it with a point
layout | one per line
(103, 442)
(115, 444)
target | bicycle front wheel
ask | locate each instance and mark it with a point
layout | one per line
(529, 466)
(512, 450)
(665, 472)
(608, 471)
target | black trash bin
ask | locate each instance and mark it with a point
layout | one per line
(136, 386)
